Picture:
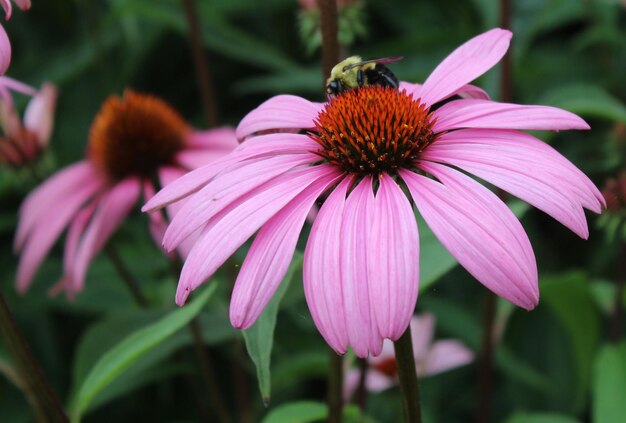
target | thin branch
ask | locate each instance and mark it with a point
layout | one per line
(330, 42)
(203, 73)
(127, 277)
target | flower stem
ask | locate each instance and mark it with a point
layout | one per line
(361, 393)
(206, 368)
(407, 373)
(485, 377)
(335, 385)
(506, 80)
(618, 306)
(330, 42)
(40, 395)
(127, 277)
(206, 364)
(203, 74)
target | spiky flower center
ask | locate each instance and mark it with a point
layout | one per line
(373, 129)
(135, 135)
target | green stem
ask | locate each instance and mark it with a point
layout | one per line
(407, 373)
(335, 385)
(40, 395)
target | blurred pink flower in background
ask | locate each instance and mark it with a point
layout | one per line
(23, 142)
(5, 45)
(134, 141)
(369, 152)
(8, 8)
(431, 357)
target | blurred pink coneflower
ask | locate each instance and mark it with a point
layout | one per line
(368, 153)
(431, 357)
(133, 142)
(23, 141)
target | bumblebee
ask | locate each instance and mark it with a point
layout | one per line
(353, 72)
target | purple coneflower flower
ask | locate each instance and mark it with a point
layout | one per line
(133, 141)
(368, 153)
(23, 141)
(431, 357)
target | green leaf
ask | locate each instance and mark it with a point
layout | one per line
(609, 384)
(571, 300)
(115, 361)
(260, 337)
(540, 418)
(586, 100)
(297, 412)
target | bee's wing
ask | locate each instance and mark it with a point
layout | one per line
(382, 61)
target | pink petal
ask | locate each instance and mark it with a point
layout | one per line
(194, 159)
(17, 86)
(471, 91)
(280, 112)
(466, 91)
(111, 211)
(23, 4)
(392, 259)
(465, 64)
(525, 167)
(39, 114)
(158, 224)
(8, 8)
(376, 381)
(236, 223)
(386, 353)
(350, 384)
(363, 334)
(74, 233)
(167, 175)
(478, 230)
(422, 334)
(493, 115)
(446, 355)
(266, 145)
(269, 257)
(5, 50)
(214, 139)
(45, 230)
(59, 185)
(321, 270)
(225, 189)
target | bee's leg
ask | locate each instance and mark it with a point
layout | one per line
(360, 78)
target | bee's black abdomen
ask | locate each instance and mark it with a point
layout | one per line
(381, 75)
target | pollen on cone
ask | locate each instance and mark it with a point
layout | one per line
(373, 129)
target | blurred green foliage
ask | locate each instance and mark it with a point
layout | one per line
(557, 364)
